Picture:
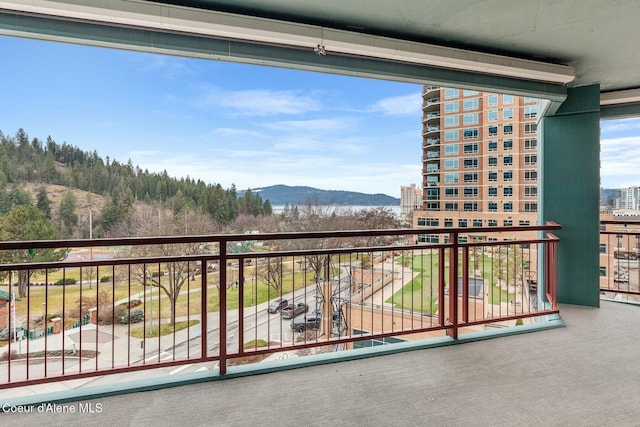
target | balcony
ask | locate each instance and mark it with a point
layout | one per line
(433, 141)
(619, 260)
(512, 378)
(362, 287)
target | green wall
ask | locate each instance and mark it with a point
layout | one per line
(570, 184)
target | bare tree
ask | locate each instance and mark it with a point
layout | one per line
(271, 272)
(169, 276)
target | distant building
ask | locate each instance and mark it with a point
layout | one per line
(628, 198)
(410, 200)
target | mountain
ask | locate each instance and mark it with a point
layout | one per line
(283, 194)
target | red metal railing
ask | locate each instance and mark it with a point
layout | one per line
(619, 258)
(211, 296)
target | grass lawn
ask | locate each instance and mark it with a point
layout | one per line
(165, 329)
(421, 293)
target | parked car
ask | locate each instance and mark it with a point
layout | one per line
(277, 305)
(303, 323)
(291, 311)
(132, 316)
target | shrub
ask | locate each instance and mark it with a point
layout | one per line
(105, 279)
(66, 281)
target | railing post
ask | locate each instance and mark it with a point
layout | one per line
(465, 284)
(453, 286)
(204, 282)
(223, 307)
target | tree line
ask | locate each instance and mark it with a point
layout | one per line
(122, 185)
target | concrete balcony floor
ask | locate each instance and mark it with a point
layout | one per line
(586, 373)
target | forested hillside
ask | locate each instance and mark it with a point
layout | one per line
(31, 169)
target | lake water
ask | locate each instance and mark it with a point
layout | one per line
(341, 208)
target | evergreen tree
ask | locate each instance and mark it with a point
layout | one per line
(43, 203)
(67, 214)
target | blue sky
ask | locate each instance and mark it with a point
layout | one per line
(236, 124)
(220, 122)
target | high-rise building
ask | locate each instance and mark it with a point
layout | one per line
(410, 200)
(479, 160)
(628, 198)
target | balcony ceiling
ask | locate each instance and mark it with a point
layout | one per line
(596, 39)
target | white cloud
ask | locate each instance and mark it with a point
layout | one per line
(619, 161)
(620, 125)
(259, 102)
(399, 105)
(311, 125)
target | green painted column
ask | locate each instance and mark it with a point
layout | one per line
(570, 185)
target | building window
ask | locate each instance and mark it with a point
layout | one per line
(507, 223)
(507, 191)
(507, 113)
(469, 92)
(493, 207)
(530, 144)
(470, 119)
(450, 164)
(507, 207)
(470, 191)
(493, 191)
(470, 148)
(433, 194)
(493, 176)
(451, 121)
(530, 206)
(530, 191)
(493, 130)
(530, 111)
(508, 144)
(492, 223)
(603, 248)
(507, 129)
(451, 135)
(530, 128)
(528, 100)
(428, 238)
(451, 178)
(492, 115)
(451, 107)
(470, 177)
(448, 222)
(471, 133)
(603, 271)
(450, 192)
(492, 100)
(477, 223)
(450, 149)
(530, 175)
(507, 176)
(470, 104)
(508, 160)
(530, 159)
(493, 145)
(470, 206)
(462, 223)
(523, 223)
(507, 99)
(493, 160)
(428, 222)
(471, 162)
(451, 206)
(450, 93)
